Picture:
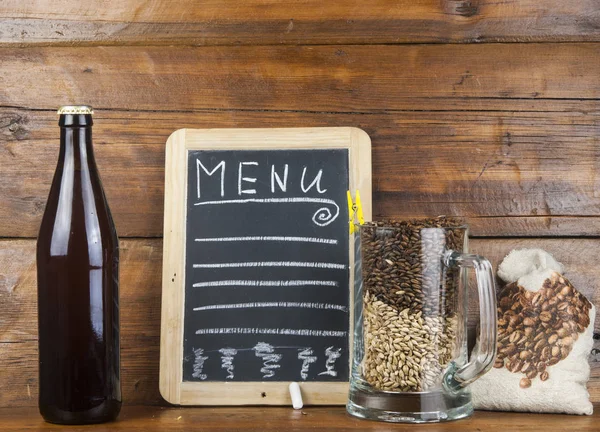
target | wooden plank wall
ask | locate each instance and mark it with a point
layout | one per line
(485, 109)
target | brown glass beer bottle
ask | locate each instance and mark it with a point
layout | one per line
(78, 286)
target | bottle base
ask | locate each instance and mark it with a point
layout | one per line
(425, 407)
(105, 412)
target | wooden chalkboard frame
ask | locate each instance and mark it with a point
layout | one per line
(172, 387)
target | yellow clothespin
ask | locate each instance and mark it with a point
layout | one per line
(351, 210)
(354, 209)
(359, 211)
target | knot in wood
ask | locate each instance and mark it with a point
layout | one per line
(464, 8)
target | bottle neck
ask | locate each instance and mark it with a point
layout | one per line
(75, 188)
(76, 148)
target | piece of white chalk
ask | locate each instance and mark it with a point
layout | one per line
(296, 395)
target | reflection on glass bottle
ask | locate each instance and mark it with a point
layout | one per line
(78, 286)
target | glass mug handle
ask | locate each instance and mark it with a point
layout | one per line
(484, 353)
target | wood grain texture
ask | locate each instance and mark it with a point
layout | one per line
(338, 78)
(264, 22)
(172, 306)
(259, 419)
(140, 311)
(504, 134)
(523, 173)
(140, 318)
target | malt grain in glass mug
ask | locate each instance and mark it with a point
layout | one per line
(410, 360)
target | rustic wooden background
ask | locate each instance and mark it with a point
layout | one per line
(487, 109)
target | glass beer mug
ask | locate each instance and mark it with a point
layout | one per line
(410, 359)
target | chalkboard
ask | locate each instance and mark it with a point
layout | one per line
(267, 266)
(265, 283)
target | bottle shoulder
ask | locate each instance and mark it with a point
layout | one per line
(77, 215)
(82, 226)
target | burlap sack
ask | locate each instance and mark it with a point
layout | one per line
(545, 335)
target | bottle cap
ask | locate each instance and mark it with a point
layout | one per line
(76, 109)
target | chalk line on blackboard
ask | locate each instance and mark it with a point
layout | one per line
(239, 350)
(269, 238)
(259, 283)
(320, 265)
(271, 331)
(307, 305)
(321, 217)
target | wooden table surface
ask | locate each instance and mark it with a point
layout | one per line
(146, 418)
